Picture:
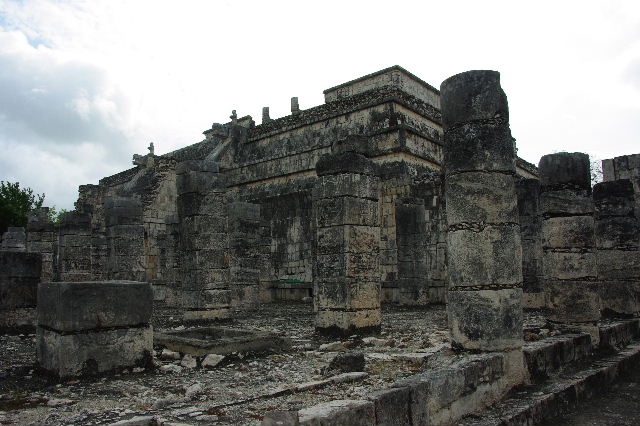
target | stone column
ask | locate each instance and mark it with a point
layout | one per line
(569, 259)
(484, 298)
(617, 244)
(528, 197)
(41, 238)
(169, 260)
(14, 239)
(244, 253)
(347, 271)
(204, 241)
(125, 238)
(19, 276)
(74, 247)
(413, 286)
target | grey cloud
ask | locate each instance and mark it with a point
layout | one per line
(45, 101)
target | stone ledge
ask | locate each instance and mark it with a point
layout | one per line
(538, 405)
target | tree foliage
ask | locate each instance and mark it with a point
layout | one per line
(15, 203)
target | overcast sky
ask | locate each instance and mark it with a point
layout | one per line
(86, 84)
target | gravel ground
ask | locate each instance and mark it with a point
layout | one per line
(241, 388)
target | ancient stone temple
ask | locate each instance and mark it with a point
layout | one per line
(390, 118)
(390, 193)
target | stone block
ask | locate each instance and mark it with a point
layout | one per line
(486, 320)
(348, 239)
(392, 406)
(614, 198)
(569, 265)
(572, 301)
(481, 197)
(492, 256)
(197, 182)
(618, 265)
(346, 211)
(565, 170)
(479, 147)
(345, 162)
(568, 232)
(20, 264)
(206, 299)
(473, 96)
(347, 322)
(204, 315)
(77, 306)
(339, 413)
(350, 184)
(617, 232)
(566, 202)
(350, 265)
(619, 299)
(347, 294)
(202, 224)
(94, 352)
(212, 258)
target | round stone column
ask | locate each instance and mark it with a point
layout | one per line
(484, 298)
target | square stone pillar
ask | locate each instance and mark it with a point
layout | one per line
(14, 239)
(125, 238)
(41, 238)
(484, 297)
(19, 278)
(569, 258)
(204, 241)
(617, 247)
(87, 328)
(347, 271)
(245, 253)
(74, 247)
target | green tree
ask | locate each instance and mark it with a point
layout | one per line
(15, 203)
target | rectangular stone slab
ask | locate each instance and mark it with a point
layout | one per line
(77, 306)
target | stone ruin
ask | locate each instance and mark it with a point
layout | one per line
(392, 192)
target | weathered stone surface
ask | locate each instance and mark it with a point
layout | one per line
(486, 320)
(569, 265)
(573, 301)
(93, 352)
(76, 306)
(473, 96)
(617, 232)
(338, 413)
(618, 265)
(14, 239)
(492, 256)
(619, 298)
(348, 362)
(479, 146)
(347, 322)
(480, 197)
(346, 211)
(347, 184)
(392, 406)
(19, 276)
(614, 198)
(568, 232)
(347, 294)
(345, 162)
(572, 202)
(565, 170)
